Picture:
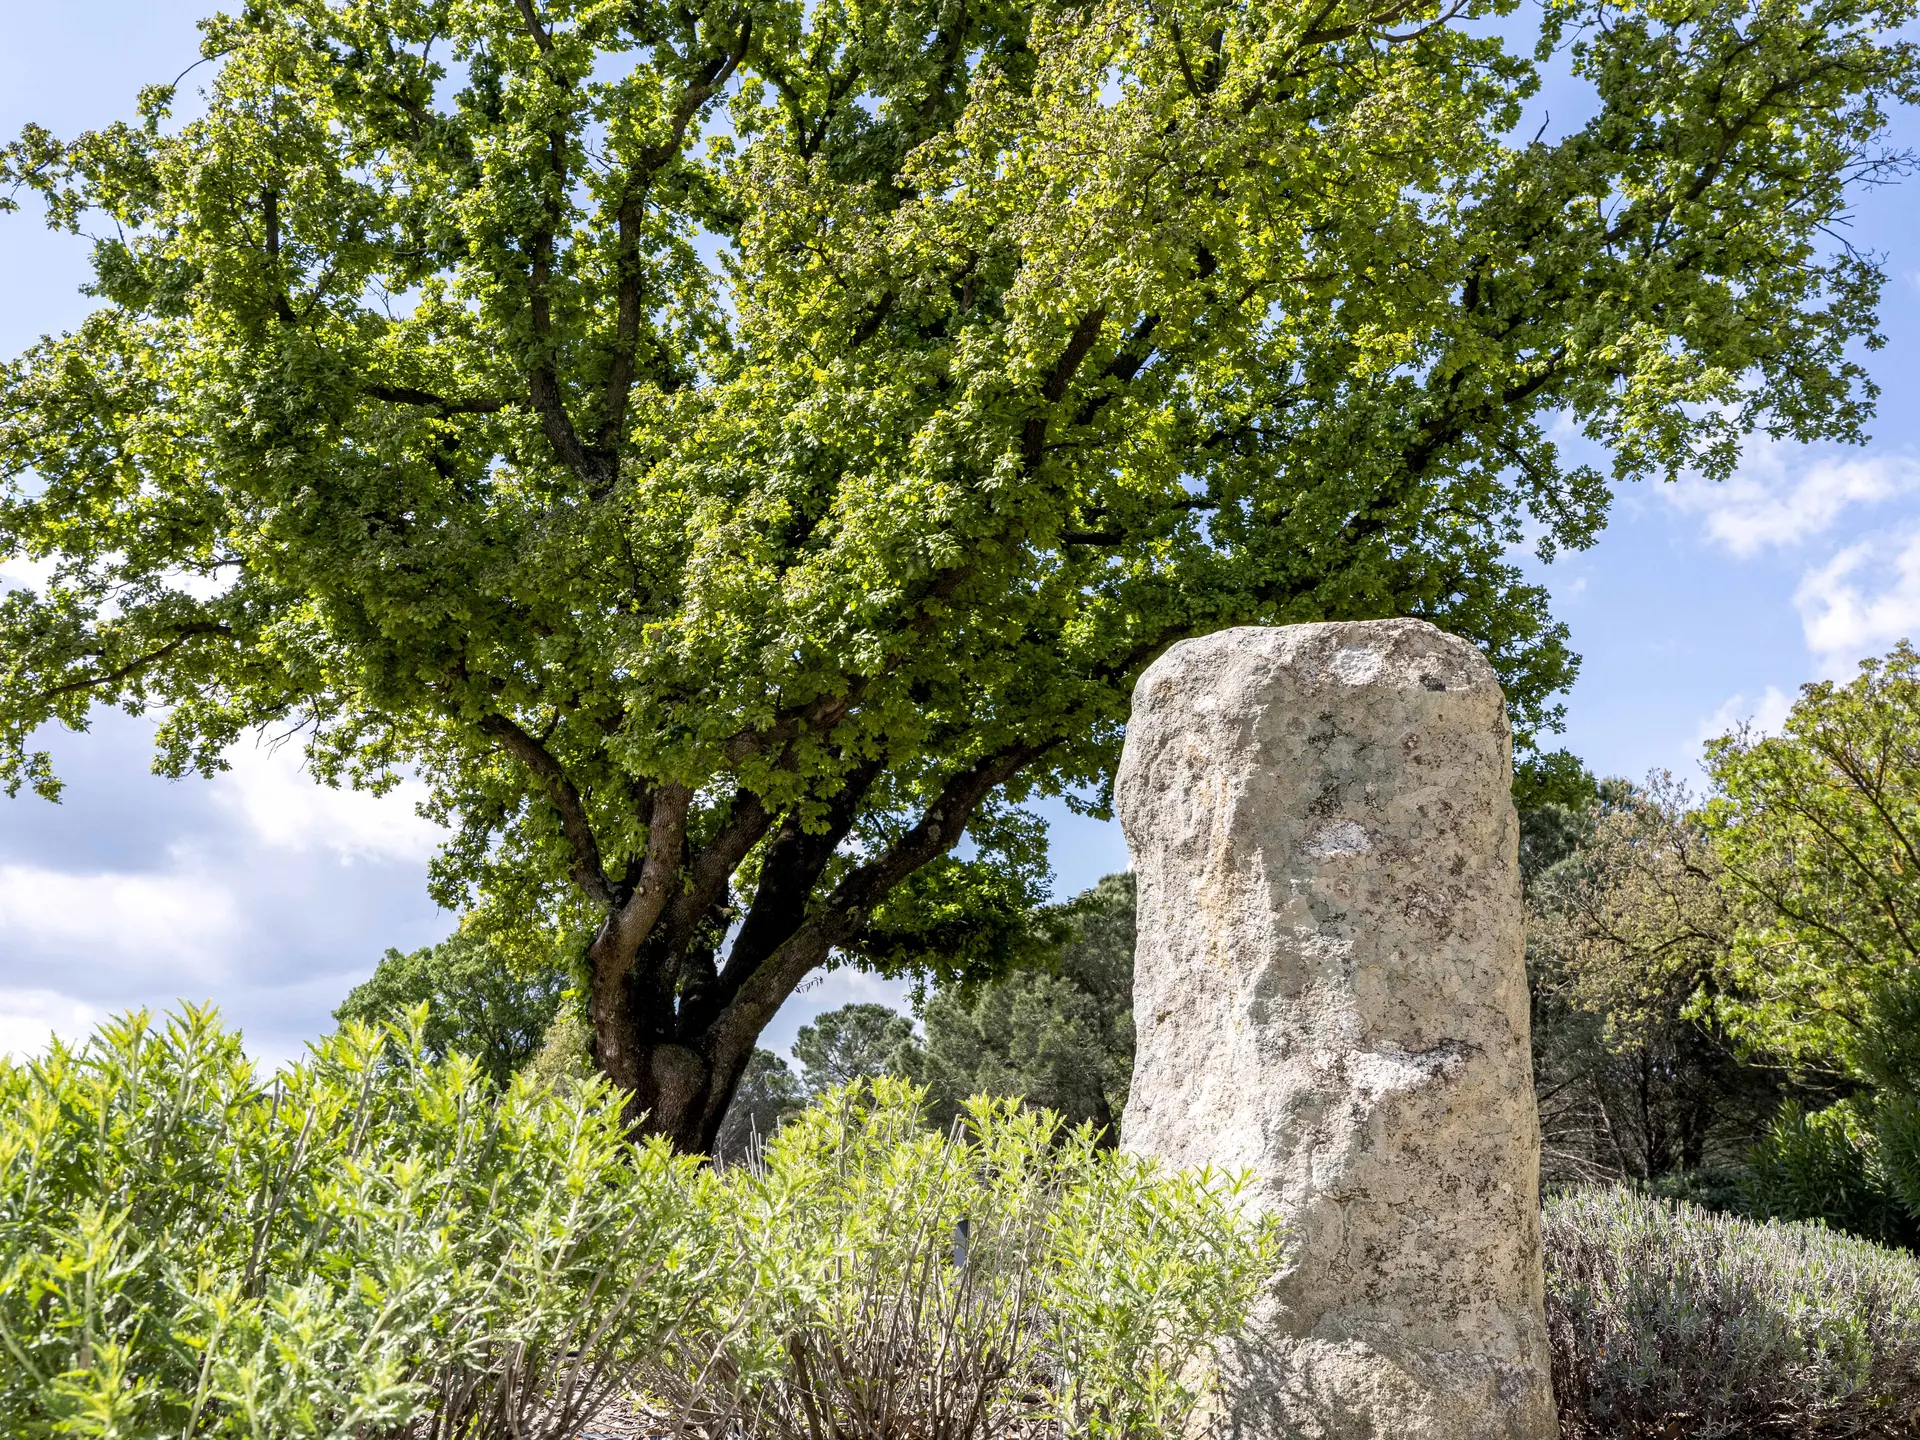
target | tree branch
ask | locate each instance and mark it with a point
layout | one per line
(848, 909)
(270, 219)
(587, 871)
(819, 715)
(708, 873)
(794, 863)
(134, 666)
(618, 389)
(539, 32)
(633, 922)
(1086, 334)
(409, 395)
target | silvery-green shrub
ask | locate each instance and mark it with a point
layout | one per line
(368, 1243)
(1667, 1320)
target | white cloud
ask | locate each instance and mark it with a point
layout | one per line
(180, 924)
(285, 807)
(29, 1017)
(1861, 601)
(1782, 496)
(24, 574)
(1767, 714)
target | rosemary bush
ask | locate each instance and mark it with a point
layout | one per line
(890, 1280)
(369, 1244)
(1669, 1321)
(375, 1244)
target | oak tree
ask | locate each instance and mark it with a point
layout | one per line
(734, 449)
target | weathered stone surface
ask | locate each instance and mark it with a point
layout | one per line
(1329, 991)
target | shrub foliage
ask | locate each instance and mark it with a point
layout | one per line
(1667, 1320)
(375, 1243)
(891, 1280)
(372, 1241)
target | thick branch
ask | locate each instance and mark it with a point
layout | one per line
(620, 373)
(794, 862)
(534, 27)
(1086, 334)
(659, 872)
(587, 871)
(818, 715)
(597, 468)
(850, 906)
(409, 395)
(710, 870)
(270, 218)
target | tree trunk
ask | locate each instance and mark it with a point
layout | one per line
(673, 1029)
(678, 1063)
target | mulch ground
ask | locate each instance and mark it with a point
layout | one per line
(626, 1420)
(623, 1420)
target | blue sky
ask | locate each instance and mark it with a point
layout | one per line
(1701, 605)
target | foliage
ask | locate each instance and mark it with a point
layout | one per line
(1828, 1165)
(768, 1093)
(1058, 1035)
(1668, 1320)
(372, 1241)
(1555, 778)
(894, 1280)
(1818, 826)
(478, 1002)
(380, 1244)
(735, 451)
(854, 1042)
(1555, 797)
(566, 1049)
(1627, 939)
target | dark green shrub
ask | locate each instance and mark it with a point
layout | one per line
(1828, 1165)
(1669, 1321)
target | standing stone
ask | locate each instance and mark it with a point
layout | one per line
(1329, 991)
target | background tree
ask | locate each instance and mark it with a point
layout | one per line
(768, 1093)
(1820, 830)
(855, 1042)
(1627, 943)
(1820, 826)
(735, 450)
(1556, 799)
(1058, 1034)
(493, 1006)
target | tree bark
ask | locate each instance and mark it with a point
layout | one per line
(670, 1028)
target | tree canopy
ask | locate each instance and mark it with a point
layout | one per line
(1820, 829)
(854, 1042)
(734, 450)
(1628, 933)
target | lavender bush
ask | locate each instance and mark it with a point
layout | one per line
(1670, 1321)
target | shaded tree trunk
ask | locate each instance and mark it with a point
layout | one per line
(673, 1025)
